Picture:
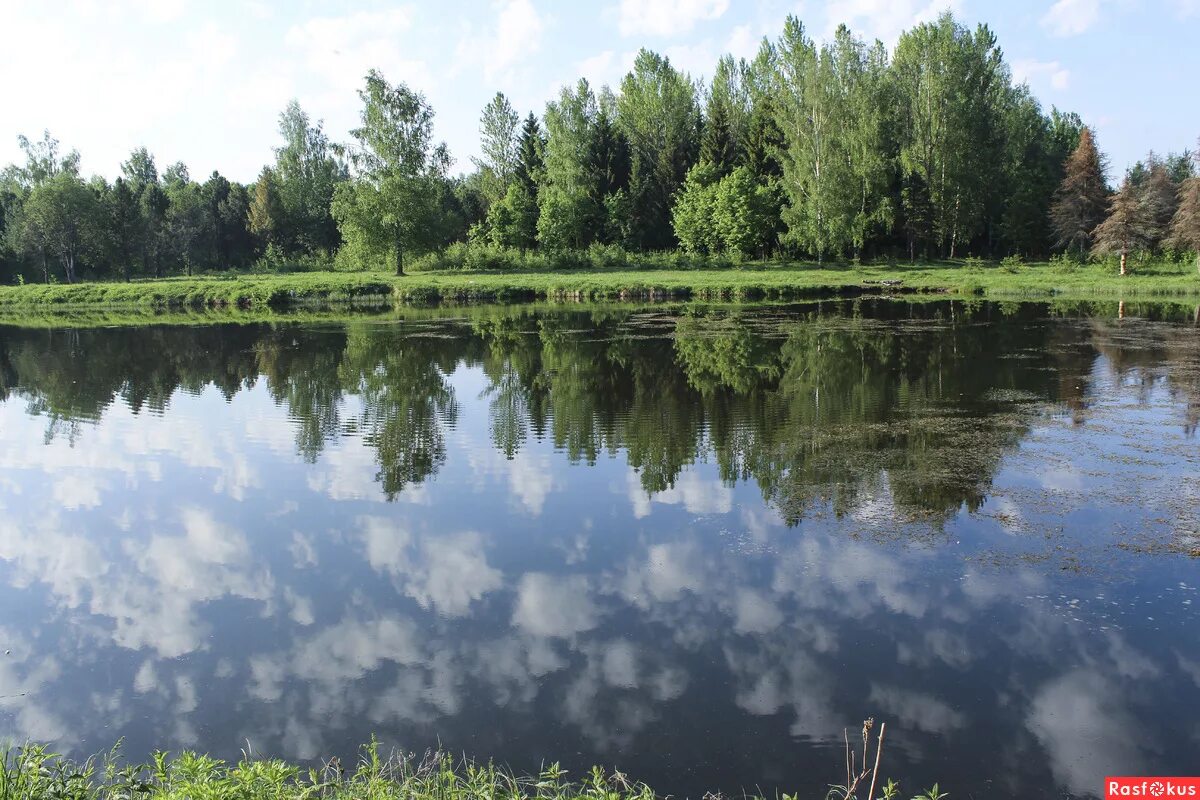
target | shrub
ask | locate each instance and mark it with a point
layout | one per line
(1012, 263)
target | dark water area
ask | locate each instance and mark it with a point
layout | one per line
(693, 543)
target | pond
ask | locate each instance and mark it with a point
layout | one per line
(693, 542)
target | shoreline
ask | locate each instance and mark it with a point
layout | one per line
(297, 290)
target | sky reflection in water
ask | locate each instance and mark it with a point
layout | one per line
(693, 543)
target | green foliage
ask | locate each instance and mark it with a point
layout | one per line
(692, 216)
(658, 113)
(733, 214)
(307, 171)
(847, 154)
(60, 220)
(829, 106)
(950, 84)
(498, 140)
(393, 206)
(570, 212)
(33, 773)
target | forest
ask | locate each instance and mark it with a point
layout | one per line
(812, 151)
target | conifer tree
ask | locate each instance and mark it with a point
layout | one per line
(1081, 199)
(1185, 225)
(1159, 196)
(531, 148)
(1127, 228)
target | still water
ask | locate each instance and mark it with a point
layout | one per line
(692, 542)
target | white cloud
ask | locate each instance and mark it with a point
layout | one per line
(918, 710)
(603, 69)
(1071, 17)
(518, 35)
(447, 572)
(885, 19)
(1041, 73)
(343, 49)
(554, 606)
(666, 17)
(1086, 701)
(506, 43)
(697, 495)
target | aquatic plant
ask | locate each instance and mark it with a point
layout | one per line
(33, 772)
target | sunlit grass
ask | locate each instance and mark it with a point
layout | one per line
(33, 772)
(749, 281)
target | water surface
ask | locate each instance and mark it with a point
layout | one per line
(692, 542)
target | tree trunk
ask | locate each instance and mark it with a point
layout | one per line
(399, 260)
(45, 267)
(1124, 255)
(1121, 310)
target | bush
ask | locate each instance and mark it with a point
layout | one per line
(1012, 263)
(1064, 263)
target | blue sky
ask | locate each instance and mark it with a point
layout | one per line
(204, 82)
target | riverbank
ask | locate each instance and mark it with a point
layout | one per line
(758, 282)
(34, 773)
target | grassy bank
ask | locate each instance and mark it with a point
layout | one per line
(33, 773)
(755, 282)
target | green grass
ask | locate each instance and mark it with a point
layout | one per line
(34, 773)
(755, 281)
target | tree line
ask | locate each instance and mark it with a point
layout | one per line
(834, 150)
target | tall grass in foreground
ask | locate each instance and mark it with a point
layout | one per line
(32, 772)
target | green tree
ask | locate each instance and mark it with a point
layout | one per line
(512, 222)
(608, 163)
(499, 143)
(726, 117)
(569, 212)
(44, 161)
(531, 148)
(139, 170)
(186, 220)
(124, 225)
(692, 216)
(153, 204)
(949, 84)
(836, 164)
(741, 213)
(61, 219)
(266, 214)
(394, 205)
(816, 174)
(1032, 170)
(659, 115)
(307, 170)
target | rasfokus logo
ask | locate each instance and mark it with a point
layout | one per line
(1151, 787)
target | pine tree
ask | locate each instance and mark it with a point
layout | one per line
(726, 116)
(266, 209)
(1127, 228)
(1079, 204)
(1185, 226)
(1159, 196)
(531, 148)
(716, 141)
